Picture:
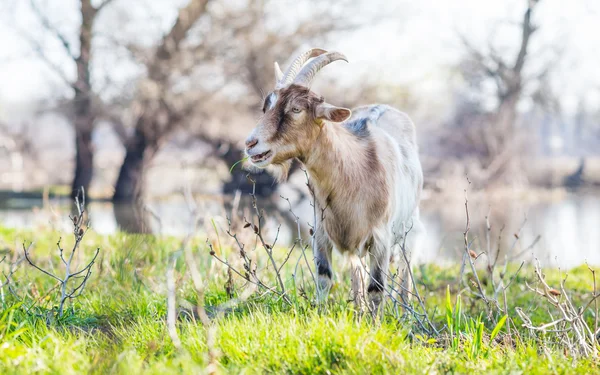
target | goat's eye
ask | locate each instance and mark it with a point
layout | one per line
(296, 110)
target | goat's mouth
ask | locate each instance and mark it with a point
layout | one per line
(261, 158)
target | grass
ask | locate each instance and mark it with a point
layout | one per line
(118, 324)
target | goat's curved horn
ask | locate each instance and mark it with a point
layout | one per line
(278, 73)
(307, 74)
(295, 66)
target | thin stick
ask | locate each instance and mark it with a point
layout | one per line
(596, 331)
(172, 304)
(258, 232)
(467, 248)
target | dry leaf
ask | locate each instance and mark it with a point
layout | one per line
(554, 292)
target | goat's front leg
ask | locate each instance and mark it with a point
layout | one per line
(322, 254)
(357, 270)
(379, 254)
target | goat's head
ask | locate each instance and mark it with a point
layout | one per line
(293, 115)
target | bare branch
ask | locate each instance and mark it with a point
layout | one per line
(26, 253)
(169, 46)
(103, 4)
(527, 30)
(79, 233)
(573, 330)
(172, 304)
(467, 248)
(52, 29)
(38, 49)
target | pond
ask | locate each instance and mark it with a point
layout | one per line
(563, 232)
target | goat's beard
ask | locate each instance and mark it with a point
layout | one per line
(281, 170)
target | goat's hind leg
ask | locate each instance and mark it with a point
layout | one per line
(379, 255)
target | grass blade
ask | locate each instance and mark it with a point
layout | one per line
(498, 327)
(237, 162)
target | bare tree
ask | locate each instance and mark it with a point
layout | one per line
(491, 134)
(81, 106)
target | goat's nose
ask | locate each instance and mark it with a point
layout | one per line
(251, 143)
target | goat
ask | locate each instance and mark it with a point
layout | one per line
(363, 166)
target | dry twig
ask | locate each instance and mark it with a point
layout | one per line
(81, 275)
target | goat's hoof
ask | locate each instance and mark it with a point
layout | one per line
(375, 303)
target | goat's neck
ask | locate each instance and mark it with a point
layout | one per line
(337, 159)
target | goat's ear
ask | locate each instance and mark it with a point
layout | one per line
(332, 113)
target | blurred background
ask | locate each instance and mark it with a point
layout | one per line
(138, 101)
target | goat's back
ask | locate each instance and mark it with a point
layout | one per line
(397, 124)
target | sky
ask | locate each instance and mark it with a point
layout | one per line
(413, 43)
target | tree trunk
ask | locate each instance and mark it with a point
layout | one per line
(129, 186)
(84, 152)
(84, 162)
(128, 198)
(82, 104)
(132, 217)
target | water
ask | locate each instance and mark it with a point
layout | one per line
(568, 228)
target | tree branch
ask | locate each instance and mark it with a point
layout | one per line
(51, 28)
(186, 19)
(104, 3)
(528, 30)
(39, 51)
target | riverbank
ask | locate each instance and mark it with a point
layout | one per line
(556, 219)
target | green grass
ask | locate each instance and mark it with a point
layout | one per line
(118, 325)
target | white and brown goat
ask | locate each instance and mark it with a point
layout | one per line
(363, 166)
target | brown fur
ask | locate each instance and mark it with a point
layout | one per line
(343, 181)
